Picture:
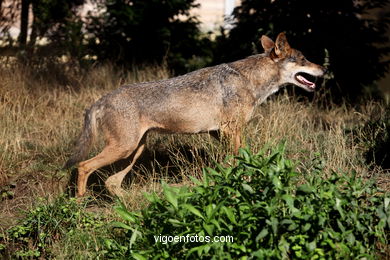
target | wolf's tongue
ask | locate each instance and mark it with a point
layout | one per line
(305, 81)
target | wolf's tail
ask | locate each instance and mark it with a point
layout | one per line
(85, 140)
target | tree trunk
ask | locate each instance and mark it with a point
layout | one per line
(24, 23)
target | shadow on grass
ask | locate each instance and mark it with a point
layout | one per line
(150, 161)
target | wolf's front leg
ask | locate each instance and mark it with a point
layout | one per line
(233, 133)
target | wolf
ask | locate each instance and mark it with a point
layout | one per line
(221, 97)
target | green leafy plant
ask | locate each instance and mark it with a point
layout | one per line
(46, 224)
(267, 207)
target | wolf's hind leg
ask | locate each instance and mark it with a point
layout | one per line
(110, 154)
(114, 182)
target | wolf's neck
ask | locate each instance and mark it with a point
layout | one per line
(262, 73)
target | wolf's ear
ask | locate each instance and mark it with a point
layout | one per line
(267, 43)
(282, 48)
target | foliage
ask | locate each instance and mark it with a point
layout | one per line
(58, 22)
(270, 212)
(123, 32)
(44, 225)
(355, 40)
(133, 31)
(49, 14)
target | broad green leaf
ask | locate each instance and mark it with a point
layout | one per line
(212, 172)
(170, 195)
(292, 227)
(274, 224)
(205, 177)
(248, 188)
(175, 222)
(341, 226)
(230, 214)
(312, 246)
(339, 208)
(306, 227)
(124, 214)
(209, 210)
(289, 201)
(245, 154)
(387, 201)
(305, 188)
(263, 233)
(138, 256)
(198, 250)
(209, 229)
(276, 182)
(240, 247)
(151, 197)
(133, 237)
(118, 224)
(193, 210)
(351, 238)
(195, 180)
(216, 223)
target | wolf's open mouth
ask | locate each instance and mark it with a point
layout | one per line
(306, 79)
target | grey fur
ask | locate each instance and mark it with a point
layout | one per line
(222, 97)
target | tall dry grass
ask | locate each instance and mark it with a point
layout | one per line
(39, 121)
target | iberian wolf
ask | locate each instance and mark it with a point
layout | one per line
(222, 98)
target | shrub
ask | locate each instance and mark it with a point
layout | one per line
(269, 210)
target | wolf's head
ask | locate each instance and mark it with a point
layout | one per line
(293, 66)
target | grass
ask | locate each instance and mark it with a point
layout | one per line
(41, 116)
(38, 128)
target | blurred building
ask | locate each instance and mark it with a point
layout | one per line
(214, 13)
